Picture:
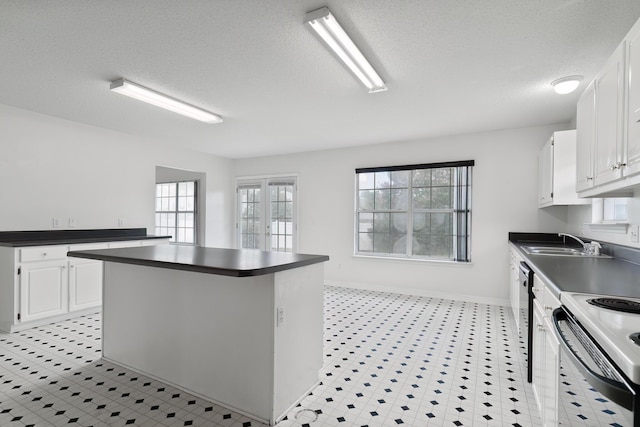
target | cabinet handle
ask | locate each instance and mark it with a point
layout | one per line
(44, 254)
(614, 167)
(546, 307)
(620, 165)
(540, 327)
(588, 178)
(535, 289)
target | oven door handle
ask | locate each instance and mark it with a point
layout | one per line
(618, 392)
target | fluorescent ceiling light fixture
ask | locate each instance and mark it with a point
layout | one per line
(566, 85)
(144, 94)
(325, 24)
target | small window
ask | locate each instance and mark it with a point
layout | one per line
(176, 211)
(615, 209)
(414, 211)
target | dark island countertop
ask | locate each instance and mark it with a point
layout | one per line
(17, 239)
(616, 276)
(220, 261)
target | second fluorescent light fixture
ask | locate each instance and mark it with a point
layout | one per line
(325, 24)
(144, 94)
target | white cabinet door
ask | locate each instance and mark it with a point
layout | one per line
(633, 105)
(85, 284)
(585, 130)
(609, 119)
(43, 290)
(539, 341)
(551, 378)
(545, 174)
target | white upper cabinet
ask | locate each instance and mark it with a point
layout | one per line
(609, 119)
(611, 128)
(633, 102)
(557, 171)
(585, 134)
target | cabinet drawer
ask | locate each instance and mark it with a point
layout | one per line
(42, 253)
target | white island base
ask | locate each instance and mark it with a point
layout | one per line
(251, 344)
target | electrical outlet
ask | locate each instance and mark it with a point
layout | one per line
(55, 222)
(633, 233)
(120, 222)
(72, 222)
(280, 319)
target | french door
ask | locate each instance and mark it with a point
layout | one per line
(267, 214)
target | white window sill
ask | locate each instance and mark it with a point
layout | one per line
(609, 227)
(443, 262)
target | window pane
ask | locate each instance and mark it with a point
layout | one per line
(383, 180)
(441, 198)
(382, 199)
(365, 223)
(421, 198)
(441, 177)
(421, 178)
(365, 242)
(381, 243)
(441, 223)
(399, 199)
(421, 222)
(400, 179)
(365, 181)
(381, 222)
(399, 245)
(365, 200)
(399, 222)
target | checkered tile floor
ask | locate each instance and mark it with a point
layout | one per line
(389, 360)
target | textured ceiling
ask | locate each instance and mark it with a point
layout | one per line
(452, 66)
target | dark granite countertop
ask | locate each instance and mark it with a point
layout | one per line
(220, 261)
(617, 276)
(67, 237)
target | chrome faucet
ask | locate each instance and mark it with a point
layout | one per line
(592, 248)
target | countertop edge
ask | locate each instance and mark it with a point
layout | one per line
(24, 244)
(233, 272)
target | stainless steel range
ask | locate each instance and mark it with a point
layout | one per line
(600, 360)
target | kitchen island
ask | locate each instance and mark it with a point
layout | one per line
(241, 328)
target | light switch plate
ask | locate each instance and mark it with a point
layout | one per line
(633, 233)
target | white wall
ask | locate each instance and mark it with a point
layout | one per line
(57, 168)
(504, 199)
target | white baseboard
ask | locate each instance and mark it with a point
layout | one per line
(420, 292)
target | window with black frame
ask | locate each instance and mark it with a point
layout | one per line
(418, 211)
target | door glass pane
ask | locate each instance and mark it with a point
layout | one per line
(281, 208)
(249, 221)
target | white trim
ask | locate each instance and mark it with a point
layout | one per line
(421, 293)
(391, 257)
(609, 227)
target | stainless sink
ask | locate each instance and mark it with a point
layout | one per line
(559, 251)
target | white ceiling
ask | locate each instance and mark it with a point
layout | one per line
(452, 66)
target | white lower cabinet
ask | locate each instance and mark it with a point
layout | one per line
(546, 355)
(85, 284)
(43, 289)
(40, 284)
